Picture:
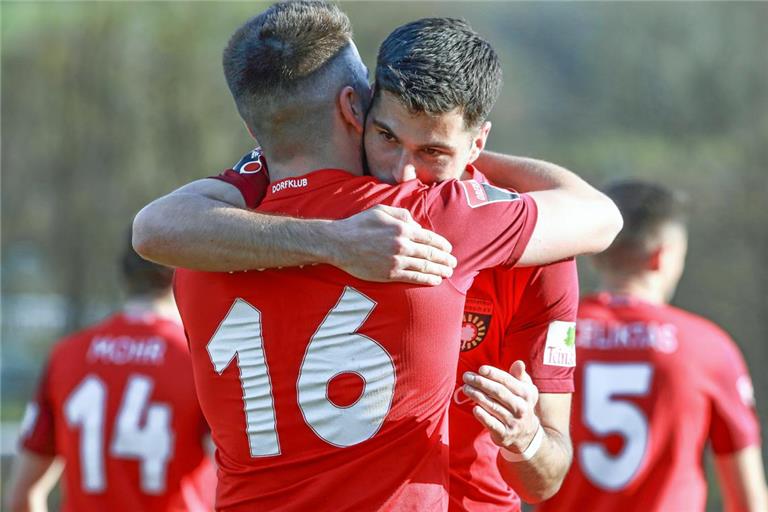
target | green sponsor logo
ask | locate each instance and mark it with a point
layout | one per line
(570, 338)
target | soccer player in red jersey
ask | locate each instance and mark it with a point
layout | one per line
(314, 425)
(656, 384)
(115, 405)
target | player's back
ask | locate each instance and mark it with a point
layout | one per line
(117, 402)
(654, 383)
(325, 392)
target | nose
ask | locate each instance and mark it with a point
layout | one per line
(405, 170)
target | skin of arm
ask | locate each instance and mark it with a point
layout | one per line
(509, 406)
(205, 226)
(573, 217)
(742, 480)
(32, 478)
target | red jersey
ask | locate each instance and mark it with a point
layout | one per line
(655, 384)
(116, 401)
(325, 392)
(510, 314)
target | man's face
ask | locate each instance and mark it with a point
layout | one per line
(438, 147)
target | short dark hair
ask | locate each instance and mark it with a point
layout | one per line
(435, 65)
(142, 277)
(646, 208)
(272, 56)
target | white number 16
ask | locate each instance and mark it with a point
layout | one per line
(335, 348)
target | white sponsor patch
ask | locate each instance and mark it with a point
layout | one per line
(560, 349)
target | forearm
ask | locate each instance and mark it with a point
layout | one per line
(528, 174)
(197, 232)
(540, 478)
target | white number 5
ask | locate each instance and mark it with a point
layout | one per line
(605, 415)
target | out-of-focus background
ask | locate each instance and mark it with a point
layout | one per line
(106, 106)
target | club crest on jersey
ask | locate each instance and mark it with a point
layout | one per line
(560, 349)
(479, 194)
(251, 163)
(477, 320)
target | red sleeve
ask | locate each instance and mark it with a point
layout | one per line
(487, 225)
(734, 424)
(542, 327)
(250, 176)
(37, 426)
(253, 187)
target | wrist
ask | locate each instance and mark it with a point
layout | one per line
(530, 451)
(329, 242)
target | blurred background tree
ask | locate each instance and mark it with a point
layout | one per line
(106, 106)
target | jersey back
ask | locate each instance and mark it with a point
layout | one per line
(326, 392)
(117, 402)
(654, 384)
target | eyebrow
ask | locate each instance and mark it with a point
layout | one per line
(382, 125)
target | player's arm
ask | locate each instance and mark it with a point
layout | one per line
(742, 480)
(531, 429)
(32, 478)
(205, 226)
(573, 217)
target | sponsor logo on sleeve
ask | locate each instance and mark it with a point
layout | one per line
(250, 163)
(560, 349)
(480, 194)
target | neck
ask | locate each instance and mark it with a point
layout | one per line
(161, 305)
(303, 164)
(645, 287)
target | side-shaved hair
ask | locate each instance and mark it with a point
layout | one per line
(288, 63)
(647, 208)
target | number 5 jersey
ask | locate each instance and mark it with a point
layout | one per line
(117, 402)
(654, 384)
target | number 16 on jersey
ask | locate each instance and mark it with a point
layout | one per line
(335, 348)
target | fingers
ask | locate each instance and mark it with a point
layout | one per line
(400, 214)
(502, 412)
(415, 232)
(494, 426)
(504, 388)
(431, 239)
(413, 277)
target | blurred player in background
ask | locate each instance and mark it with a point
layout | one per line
(425, 120)
(656, 384)
(116, 407)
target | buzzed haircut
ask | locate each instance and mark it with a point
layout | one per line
(142, 277)
(646, 208)
(436, 65)
(274, 62)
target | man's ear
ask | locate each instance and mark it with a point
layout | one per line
(478, 143)
(351, 108)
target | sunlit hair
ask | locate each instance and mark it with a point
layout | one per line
(284, 64)
(438, 65)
